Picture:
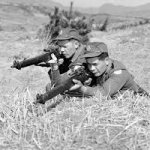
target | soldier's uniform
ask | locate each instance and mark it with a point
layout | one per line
(67, 34)
(115, 79)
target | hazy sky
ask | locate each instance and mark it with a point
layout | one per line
(97, 3)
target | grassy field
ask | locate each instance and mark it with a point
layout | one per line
(75, 124)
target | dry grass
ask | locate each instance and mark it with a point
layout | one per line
(95, 123)
(83, 124)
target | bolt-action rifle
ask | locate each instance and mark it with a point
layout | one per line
(79, 74)
(45, 57)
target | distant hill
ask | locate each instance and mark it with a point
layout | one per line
(108, 8)
(27, 7)
(47, 3)
(138, 11)
(14, 12)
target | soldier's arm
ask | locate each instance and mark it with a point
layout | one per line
(58, 78)
(54, 76)
(54, 72)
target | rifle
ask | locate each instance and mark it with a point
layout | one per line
(79, 74)
(38, 59)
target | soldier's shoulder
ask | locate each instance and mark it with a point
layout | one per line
(118, 65)
(121, 74)
(118, 72)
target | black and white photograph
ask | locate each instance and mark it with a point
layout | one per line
(74, 75)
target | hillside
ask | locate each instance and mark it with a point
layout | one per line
(94, 123)
(36, 14)
(46, 3)
(108, 8)
(21, 17)
(76, 123)
(138, 11)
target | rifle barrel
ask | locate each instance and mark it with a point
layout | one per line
(31, 61)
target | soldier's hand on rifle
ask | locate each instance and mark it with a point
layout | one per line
(77, 85)
(53, 62)
(88, 82)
